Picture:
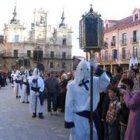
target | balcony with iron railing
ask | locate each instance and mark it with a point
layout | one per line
(109, 59)
(124, 58)
(105, 45)
(135, 40)
(45, 56)
(113, 43)
(123, 42)
(106, 60)
(57, 56)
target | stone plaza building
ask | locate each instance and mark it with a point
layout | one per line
(122, 41)
(43, 45)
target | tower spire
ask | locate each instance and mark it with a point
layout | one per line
(91, 9)
(14, 20)
(62, 19)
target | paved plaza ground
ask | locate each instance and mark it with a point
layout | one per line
(16, 122)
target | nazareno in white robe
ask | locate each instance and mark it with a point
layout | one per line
(35, 105)
(77, 100)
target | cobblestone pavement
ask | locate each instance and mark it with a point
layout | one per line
(16, 122)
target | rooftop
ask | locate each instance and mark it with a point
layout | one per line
(123, 23)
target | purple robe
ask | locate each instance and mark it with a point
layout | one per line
(133, 126)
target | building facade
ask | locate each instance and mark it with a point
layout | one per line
(122, 41)
(50, 47)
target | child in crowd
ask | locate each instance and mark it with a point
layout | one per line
(112, 114)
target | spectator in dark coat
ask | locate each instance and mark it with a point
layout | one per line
(52, 88)
(63, 85)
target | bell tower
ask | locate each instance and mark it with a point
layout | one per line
(39, 25)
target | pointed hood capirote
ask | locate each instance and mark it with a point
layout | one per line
(82, 71)
(36, 73)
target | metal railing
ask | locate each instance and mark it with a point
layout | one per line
(108, 59)
(134, 40)
(113, 43)
(46, 55)
(123, 42)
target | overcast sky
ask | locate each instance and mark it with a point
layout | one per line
(109, 9)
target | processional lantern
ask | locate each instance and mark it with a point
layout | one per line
(91, 31)
(91, 40)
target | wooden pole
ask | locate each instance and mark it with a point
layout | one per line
(91, 97)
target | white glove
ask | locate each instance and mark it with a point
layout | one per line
(93, 63)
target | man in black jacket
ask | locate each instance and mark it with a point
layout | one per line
(52, 87)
